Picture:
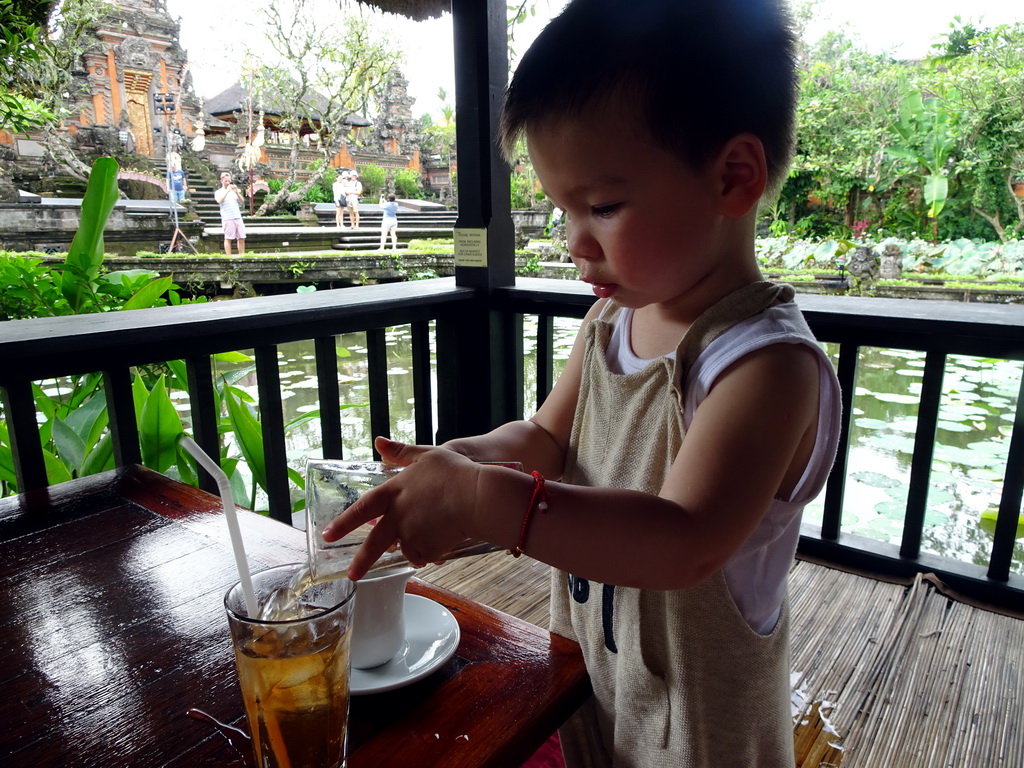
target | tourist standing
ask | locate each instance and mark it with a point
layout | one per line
(338, 192)
(389, 223)
(178, 183)
(229, 199)
(355, 190)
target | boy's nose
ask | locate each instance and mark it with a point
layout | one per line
(580, 242)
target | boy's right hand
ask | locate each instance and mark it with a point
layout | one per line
(424, 509)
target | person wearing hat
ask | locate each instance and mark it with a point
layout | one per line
(338, 193)
(355, 189)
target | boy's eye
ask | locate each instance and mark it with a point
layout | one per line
(604, 210)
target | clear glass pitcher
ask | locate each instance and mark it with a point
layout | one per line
(332, 485)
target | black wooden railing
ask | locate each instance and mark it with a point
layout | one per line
(33, 350)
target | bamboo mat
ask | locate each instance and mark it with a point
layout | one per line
(883, 674)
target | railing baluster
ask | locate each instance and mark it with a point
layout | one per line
(545, 357)
(1009, 502)
(205, 417)
(268, 378)
(513, 344)
(835, 490)
(23, 431)
(377, 368)
(924, 450)
(329, 394)
(422, 391)
(124, 429)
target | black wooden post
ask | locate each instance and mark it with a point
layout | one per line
(476, 366)
(23, 433)
(124, 429)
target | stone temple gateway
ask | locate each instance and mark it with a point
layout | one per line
(138, 57)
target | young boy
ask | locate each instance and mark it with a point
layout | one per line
(696, 415)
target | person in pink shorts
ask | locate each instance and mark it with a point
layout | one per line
(229, 199)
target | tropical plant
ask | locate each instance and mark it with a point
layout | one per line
(41, 44)
(927, 142)
(31, 288)
(408, 183)
(74, 431)
(374, 179)
(326, 67)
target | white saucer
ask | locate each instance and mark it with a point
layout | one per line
(431, 637)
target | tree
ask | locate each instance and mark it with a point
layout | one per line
(41, 47)
(374, 179)
(22, 44)
(407, 183)
(984, 89)
(847, 101)
(927, 142)
(439, 136)
(327, 66)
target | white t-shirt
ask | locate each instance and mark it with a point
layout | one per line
(757, 573)
(228, 201)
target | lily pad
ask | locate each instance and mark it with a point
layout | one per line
(882, 528)
(893, 397)
(988, 523)
(954, 426)
(869, 423)
(892, 510)
(876, 479)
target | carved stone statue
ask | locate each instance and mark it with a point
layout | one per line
(892, 262)
(863, 265)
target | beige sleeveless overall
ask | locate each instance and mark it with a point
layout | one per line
(679, 677)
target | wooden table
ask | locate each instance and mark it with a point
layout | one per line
(113, 626)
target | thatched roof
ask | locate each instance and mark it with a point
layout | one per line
(414, 9)
(233, 99)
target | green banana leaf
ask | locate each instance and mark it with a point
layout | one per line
(159, 429)
(936, 189)
(69, 444)
(56, 470)
(248, 434)
(85, 255)
(7, 474)
(149, 294)
(100, 458)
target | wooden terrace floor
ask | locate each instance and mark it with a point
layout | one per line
(884, 675)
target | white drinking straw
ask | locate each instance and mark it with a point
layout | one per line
(228, 501)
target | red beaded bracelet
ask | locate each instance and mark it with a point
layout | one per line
(539, 501)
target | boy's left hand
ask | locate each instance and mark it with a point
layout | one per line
(423, 509)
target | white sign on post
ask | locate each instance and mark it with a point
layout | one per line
(471, 247)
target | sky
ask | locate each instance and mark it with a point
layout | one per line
(906, 28)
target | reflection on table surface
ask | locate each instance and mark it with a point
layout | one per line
(113, 623)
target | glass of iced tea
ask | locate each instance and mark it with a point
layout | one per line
(293, 667)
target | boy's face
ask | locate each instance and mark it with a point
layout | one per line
(225, 180)
(643, 229)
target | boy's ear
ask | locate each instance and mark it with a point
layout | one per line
(743, 174)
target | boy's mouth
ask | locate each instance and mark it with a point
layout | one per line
(603, 290)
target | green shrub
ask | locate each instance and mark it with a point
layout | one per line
(408, 183)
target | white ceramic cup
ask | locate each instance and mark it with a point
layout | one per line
(378, 622)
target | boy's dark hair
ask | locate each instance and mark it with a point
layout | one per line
(391, 198)
(691, 73)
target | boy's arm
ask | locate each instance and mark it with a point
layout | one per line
(748, 443)
(219, 195)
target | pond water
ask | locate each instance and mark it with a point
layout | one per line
(975, 422)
